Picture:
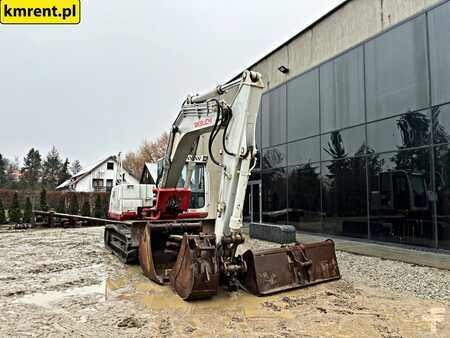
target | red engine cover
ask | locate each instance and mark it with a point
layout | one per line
(170, 203)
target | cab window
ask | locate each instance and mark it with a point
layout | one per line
(196, 185)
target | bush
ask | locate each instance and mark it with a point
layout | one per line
(74, 207)
(99, 211)
(15, 213)
(61, 205)
(2, 213)
(43, 200)
(28, 211)
(86, 209)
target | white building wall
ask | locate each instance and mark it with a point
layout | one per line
(102, 172)
(351, 24)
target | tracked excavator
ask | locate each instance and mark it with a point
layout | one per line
(194, 247)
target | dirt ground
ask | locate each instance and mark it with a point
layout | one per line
(61, 283)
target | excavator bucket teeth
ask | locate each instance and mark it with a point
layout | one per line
(196, 272)
(155, 258)
(290, 267)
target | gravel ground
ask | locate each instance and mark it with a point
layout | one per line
(397, 277)
(61, 282)
(400, 278)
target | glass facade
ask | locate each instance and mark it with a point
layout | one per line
(360, 145)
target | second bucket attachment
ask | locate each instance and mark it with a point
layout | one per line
(196, 272)
(159, 246)
(289, 267)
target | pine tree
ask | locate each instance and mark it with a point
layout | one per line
(3, 171)
(31, 170)
(86, 209)
(74, 207)
(98, 208)
(43, 200)
(15, 211)
(61, 206)
(76, 167)
(2, 213)
(64, 175)
(28, 211)
(51, 169)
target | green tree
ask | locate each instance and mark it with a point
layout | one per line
(76, 167)
(61, 205)
(86, 209)
(51, 169)
(98, 208)
(64, 174)
(415, 131)
(3, 171)
(2, 213)
(344, 179)
(74, 207)
(31, 170)
(43, 200)
(28, 211)
(15, 212)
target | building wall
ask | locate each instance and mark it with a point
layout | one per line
(86, 185)
(351, 24)
(360, 145)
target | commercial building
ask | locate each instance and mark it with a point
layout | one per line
(354, 129)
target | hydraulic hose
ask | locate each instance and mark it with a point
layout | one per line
(215, 131)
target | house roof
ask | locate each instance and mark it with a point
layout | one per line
(86, 171)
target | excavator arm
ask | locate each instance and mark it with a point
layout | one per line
(206, 114)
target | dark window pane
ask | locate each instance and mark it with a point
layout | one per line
(274, 157)
(256, 175)
(400, 205)
(274, 197)
(258, 139)
(303, 106)
(265, 120)
(305, 151)
(304, 197)
(343, 144)
(342, 91)
(441, 124)
(439, 24)
(405, 131)
(273, 111)
(344, 198)
(397, 71)
(442, 191)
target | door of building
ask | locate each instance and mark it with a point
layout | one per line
(252, 205)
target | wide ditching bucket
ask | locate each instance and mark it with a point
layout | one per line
(289, 267)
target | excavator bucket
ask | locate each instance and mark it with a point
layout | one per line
(159, 246)
(196, 272)
(289, 267)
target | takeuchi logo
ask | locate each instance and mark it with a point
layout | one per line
(203, 122)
